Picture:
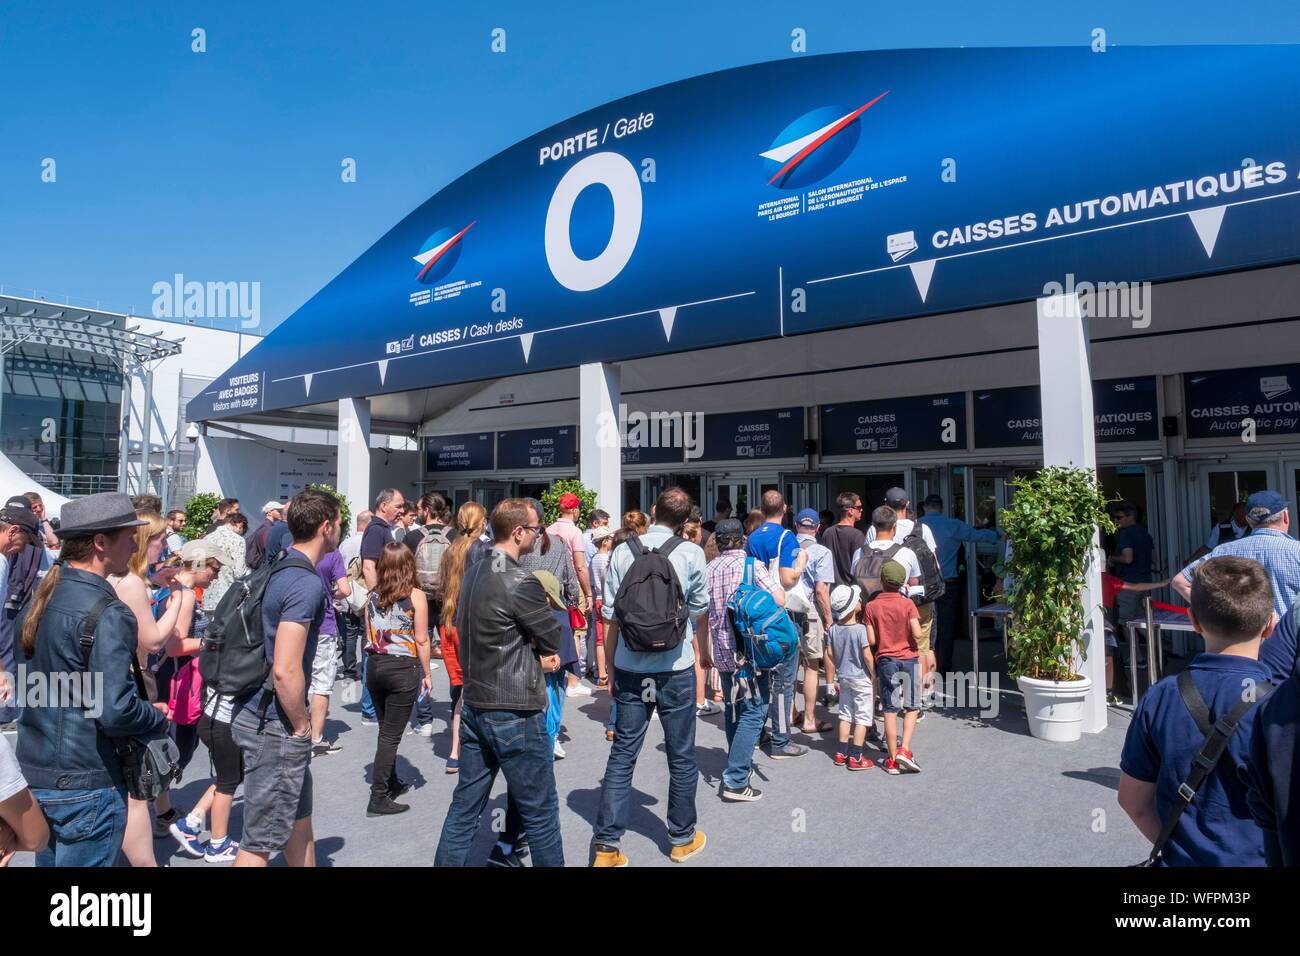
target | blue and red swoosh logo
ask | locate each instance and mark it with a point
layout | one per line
(439, 254)
(814, 145)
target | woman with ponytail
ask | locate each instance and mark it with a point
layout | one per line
(466, 549)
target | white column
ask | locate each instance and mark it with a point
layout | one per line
(600, 459)
(1065, 377)
(354, 452)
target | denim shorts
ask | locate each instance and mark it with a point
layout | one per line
(899, 683)
(277, 780)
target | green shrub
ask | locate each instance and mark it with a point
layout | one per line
(551, 500)
(1051, 523)
(198, 514)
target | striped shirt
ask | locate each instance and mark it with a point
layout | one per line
(723, 576)
(1277, 551)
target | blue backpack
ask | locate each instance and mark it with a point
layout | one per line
(768, 636)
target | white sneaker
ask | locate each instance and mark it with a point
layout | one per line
(578, 689)
(424, 730)
(433, 665)
(559, 751)
(708, 709)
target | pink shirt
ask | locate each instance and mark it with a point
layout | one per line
(568, 532)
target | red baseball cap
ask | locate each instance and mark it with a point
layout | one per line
(569, 501)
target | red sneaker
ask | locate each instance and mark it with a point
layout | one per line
(907, 761)
(861, 763)
(841, 758)
(891, 766)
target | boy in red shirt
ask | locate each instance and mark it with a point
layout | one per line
(893, 628)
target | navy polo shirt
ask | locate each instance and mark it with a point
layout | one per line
(1218, 829)
(1273, 773)
(766, 541)
(1278, 651)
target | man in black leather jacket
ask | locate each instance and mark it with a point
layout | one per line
(508, 638)
(65, 746)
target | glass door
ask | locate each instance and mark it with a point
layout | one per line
(803, 491)
(1290, 490)
(739, 492)
(870, 488)
(1217, 487)
(490, 493)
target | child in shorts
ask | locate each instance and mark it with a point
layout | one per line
(851, 651)
(893, 629)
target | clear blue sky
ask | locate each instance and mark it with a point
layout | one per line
(225, 165)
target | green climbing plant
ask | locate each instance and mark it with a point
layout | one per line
(551, 500)
(1051, 524)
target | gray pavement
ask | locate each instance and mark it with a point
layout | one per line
(989, 795)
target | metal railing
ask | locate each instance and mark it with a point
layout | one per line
(74, 486)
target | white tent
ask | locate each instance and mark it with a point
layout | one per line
(14, 481)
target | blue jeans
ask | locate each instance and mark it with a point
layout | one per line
(86, 826)
(782, 709)
(744, 728)
(556, 684)
(516, 744)
(638, 695)
(367, 705)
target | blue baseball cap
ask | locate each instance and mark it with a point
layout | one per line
(1264, 505)
(807, 518)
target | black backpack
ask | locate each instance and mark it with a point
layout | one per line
(232, 661)
(255, 550)
(866, 574)
(931, 573)
(649, 605)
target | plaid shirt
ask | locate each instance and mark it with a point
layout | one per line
(723, 576)
(1277, 551)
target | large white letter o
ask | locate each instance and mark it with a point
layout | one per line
(618, 176)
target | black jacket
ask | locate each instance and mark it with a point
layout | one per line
(70, 747)
(505, 623)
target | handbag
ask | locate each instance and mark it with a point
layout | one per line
(150, 763)
(577, 620)
(1217, 737)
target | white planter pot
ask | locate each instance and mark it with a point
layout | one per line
(1054, 708)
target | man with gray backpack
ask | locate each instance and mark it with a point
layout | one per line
(259, 650)
(655, 609)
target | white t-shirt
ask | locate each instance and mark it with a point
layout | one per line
(903, 528)
(11, 775)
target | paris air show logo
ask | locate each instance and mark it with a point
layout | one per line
(814, 145)
(439, 254)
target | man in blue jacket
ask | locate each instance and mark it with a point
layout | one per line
(66, 742)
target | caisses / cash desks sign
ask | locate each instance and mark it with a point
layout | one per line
(1124, 410)
(532, 448)
(1231, 403)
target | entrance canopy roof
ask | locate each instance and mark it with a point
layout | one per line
(804, 196)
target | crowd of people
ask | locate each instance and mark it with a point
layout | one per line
(791, 625)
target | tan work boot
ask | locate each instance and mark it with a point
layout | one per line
(609, 858)
(688, 850)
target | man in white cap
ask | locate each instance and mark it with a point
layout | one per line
(257, 539)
